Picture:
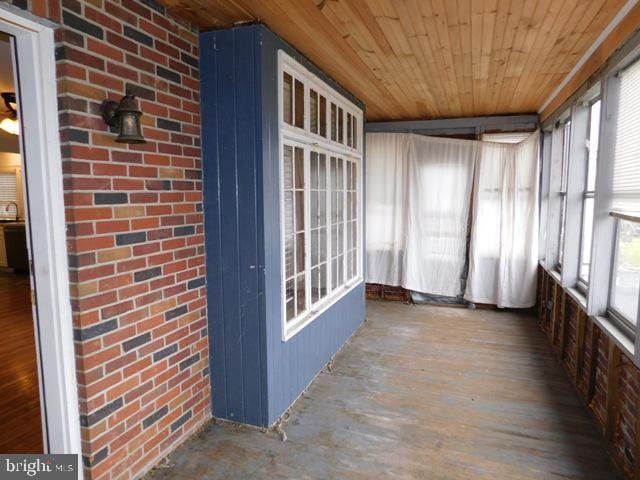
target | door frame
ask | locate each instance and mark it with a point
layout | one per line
(33, 42)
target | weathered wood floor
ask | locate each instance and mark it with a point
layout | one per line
(420, 393)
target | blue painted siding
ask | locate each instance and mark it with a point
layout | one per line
(233, 215)
(255, 375)
(292, 365)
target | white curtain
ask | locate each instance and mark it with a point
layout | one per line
(418, 195)
(504, 238)
(386, 171)
(439, 193)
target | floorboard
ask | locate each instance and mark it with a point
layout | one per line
(19, 392)
(420, 392)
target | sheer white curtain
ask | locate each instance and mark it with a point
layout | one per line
(386, 190)
(504, 238)
(439, 194)
(418, 195)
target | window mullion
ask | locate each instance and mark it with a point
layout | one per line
(329, 200)
(345, 256)
(307, 226)
(604, 225)
(575, 176)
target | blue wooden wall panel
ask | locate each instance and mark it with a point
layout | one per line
(211, 206)
(232, 171)
(255, 375)
(292, 365)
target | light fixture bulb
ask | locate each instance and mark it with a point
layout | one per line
(10, 125)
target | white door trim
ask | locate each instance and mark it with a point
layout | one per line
(40, 147)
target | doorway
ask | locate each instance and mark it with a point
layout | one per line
(19, 383)
(38, 393)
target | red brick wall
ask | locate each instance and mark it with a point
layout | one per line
(625, 434)
(135, 230)
(593, 384)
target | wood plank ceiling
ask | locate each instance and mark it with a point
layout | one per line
(422, 59)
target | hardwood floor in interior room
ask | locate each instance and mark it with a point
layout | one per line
(19, 391)
(420, 392)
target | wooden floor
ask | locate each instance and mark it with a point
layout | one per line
(19, 394)
(420, 392)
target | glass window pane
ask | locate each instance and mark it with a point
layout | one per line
(299, 170)
(354, 234)
(349, 137)
(315, 285)
(315, 212)
(587, 232)
(290, 310)
(322, 209)
(354, 265)
(334, 121)
(563, 203)
(288, 213)
(323, 116)
(340, 126)
(287, 104)
(594, 135)
(288, 166)
(288, 256)
(314, 248)
(300, 257)
(299, 110)
(313, 111)
(299, 207)
(355, 132)
(301, 295)
(565, 157)
(322, 239)
(626, 282)
(322, 179)
(323, 280)
(313, 170)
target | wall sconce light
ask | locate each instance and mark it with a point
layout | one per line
(10, 123)
(125, 117)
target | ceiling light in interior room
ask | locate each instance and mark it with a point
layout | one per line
(10, 123)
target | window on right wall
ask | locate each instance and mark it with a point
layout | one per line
(625, 281)
(586, 232)
(564, 178)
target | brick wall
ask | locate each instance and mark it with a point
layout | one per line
(608, 384)
(135, 230)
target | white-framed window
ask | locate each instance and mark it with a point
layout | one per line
(10, 193)
(564, 180)
(588, 196)
(625, 281)
(320, 194)
(625, 205)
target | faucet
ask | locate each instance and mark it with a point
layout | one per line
(9, 203)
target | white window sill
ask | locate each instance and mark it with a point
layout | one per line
(296, 325)
(578, 297)
(556, 276)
